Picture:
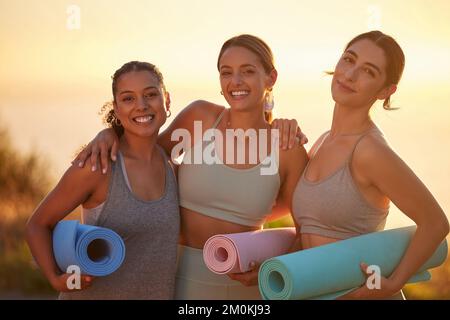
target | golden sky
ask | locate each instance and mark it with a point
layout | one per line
(184, 37)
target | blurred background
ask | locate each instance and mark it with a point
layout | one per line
(57, 58)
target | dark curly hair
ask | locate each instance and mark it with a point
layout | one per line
(109, 117)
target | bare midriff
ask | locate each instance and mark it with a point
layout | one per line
(196, 228)
(308, 241)
(312, 240)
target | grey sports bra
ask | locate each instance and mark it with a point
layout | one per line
(334, 207)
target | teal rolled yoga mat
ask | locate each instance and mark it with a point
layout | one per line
(97, 251)
(331, 270)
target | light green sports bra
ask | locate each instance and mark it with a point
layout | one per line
(241, 196)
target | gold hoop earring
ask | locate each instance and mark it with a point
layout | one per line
(221, 92)
(168, 113)
(117, 122)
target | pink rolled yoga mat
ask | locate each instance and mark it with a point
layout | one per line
(232, 253)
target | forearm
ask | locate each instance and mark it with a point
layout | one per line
(40, 241)
(423, 244)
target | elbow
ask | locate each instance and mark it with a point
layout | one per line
(33, 227)
(438, 227)
(30, 230)
(445, 227)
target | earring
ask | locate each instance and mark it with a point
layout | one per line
(269, 101)
(168, 113)
(117, 122)
(221, 92)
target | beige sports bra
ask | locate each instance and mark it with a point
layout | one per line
(241, 196)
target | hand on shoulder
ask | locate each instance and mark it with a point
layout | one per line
(201, 110)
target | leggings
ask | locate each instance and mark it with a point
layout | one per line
(194, 281)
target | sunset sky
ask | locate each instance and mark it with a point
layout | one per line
(183, 37)
(55, 69)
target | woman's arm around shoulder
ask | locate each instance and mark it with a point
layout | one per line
(292, 163)
(200, 110)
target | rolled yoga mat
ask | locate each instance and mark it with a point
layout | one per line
(232, 253)
(331, 270)
(97, 251)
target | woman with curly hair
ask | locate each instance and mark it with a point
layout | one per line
(135, 198)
